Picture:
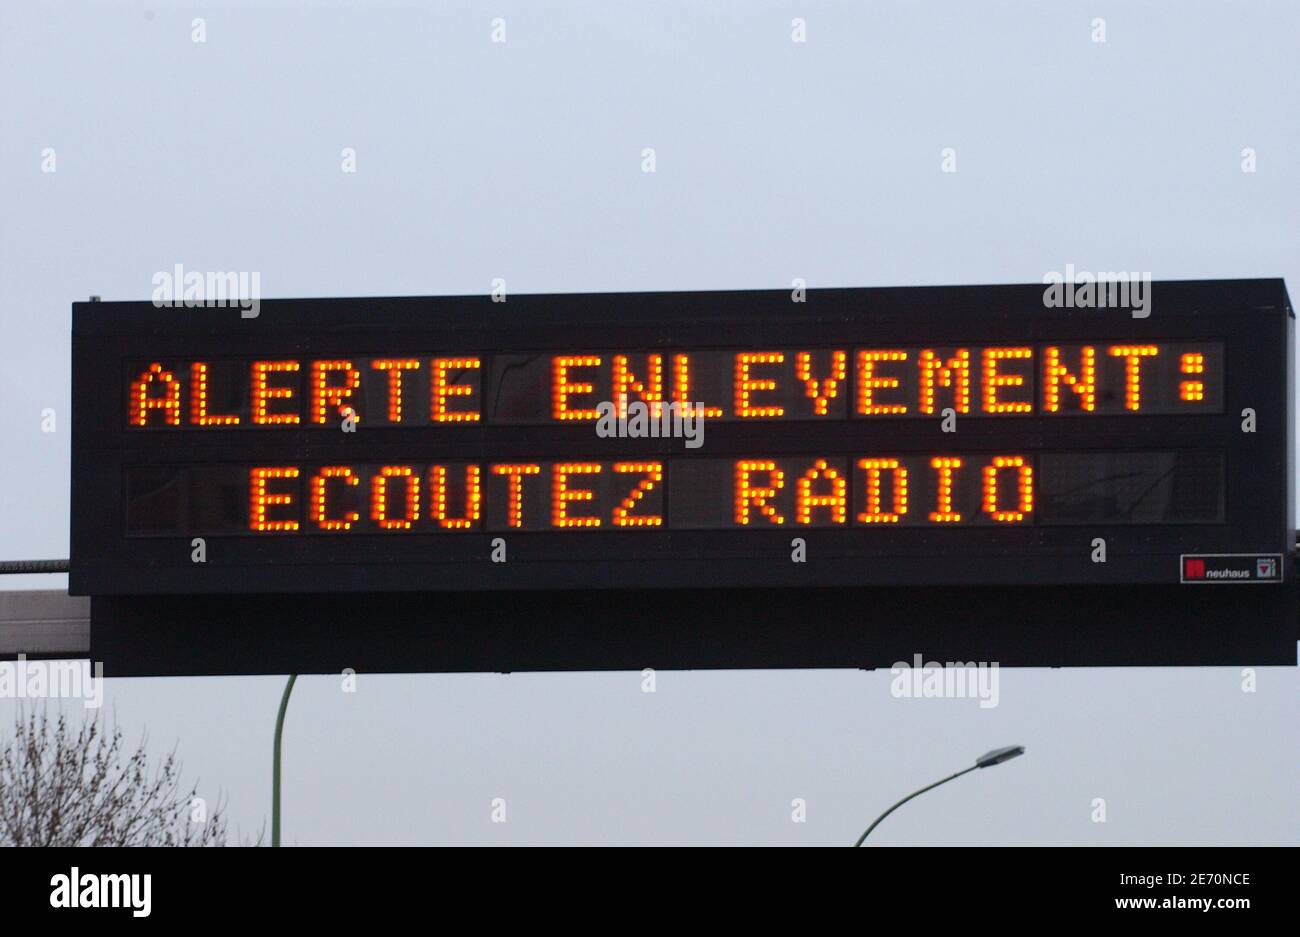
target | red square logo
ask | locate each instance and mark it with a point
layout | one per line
(1193, 569)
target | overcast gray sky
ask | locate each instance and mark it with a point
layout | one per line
(775, 160)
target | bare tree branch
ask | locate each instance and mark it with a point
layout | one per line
(61, 786)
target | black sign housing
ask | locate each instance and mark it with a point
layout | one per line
(380, 548)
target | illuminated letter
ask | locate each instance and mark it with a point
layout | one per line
(1055, 374)
(262, 392)
(142, 403)
(747, 494)
(993, 380)
(515, 481)
(442, 390)
(1133, 355)
(324, 394)
(318, 514)
(1025, 485)
(954, 373)
(1191, 391)
(946, 467)
(623, 517)
(744, 384)
(199, 415)
(868, 383)
(836, 499)
(820, 392)
(562, 494)
(651, 390)
(473, 498)
(259, 500)
(563, 388)
(875, 468)
(395, 367)
(379, 497)
(682, 391)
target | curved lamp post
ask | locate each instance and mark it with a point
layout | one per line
(987, 760)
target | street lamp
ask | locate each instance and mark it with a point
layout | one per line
(987, 760)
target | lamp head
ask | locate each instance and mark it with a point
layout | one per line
(999, 755)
